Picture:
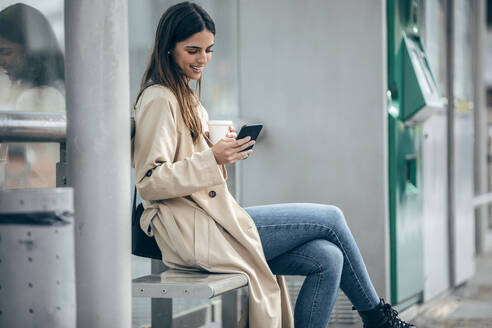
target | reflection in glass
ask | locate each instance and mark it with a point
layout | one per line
(32, 78)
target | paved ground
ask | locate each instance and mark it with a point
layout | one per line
(469, 306)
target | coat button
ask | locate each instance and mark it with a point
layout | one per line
(149, 173)
(212, 193)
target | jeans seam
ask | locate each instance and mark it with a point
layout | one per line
(359, 284)
(318, 283)
(340, 245)
(286, 224)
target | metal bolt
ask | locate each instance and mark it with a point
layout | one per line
(31, 311)
(186, 291)
(29, 233)
(58, 257)
(30, 285)
(58, 308)
(141, 290)
(164, 291)
(29, 259)
(58, 282)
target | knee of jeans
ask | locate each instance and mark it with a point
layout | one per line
(335, 215)
(330, 257)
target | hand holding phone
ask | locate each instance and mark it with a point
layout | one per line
(227, 152)
(250, 130)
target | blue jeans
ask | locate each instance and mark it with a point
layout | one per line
(314, 240)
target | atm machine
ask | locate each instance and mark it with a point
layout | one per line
(413, 96)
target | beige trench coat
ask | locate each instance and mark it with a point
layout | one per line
(188, 208)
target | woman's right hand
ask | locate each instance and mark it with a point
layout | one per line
(229, 150)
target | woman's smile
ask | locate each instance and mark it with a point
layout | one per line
(197, 69)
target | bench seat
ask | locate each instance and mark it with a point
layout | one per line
(187, 284)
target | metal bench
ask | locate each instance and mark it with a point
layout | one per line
(169, 284)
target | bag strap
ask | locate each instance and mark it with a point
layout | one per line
(149, 84)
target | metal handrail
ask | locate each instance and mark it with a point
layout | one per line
(32, 127)
(36, 126)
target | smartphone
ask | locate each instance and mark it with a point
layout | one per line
(250, 130)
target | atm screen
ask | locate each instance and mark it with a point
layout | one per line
(429, 88)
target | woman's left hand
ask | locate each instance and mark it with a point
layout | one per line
(232, 133)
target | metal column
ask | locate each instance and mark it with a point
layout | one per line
(98, 144)
(451, 164)
(480, 123)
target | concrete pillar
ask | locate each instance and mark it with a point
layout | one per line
(98, 151)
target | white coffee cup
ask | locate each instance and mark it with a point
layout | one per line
(218, 129)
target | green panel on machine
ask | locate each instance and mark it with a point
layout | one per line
(413, 96)
(420, 95)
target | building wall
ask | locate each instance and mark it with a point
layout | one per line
(315, 74)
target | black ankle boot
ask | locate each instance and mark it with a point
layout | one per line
(382, 316)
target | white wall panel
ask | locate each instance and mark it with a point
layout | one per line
(314, 72)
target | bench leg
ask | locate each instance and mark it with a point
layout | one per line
(162, 312)
(231, 307)
(161, 309)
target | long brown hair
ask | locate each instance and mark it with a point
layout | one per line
(178, 23)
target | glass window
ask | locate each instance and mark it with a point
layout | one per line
(32, 79)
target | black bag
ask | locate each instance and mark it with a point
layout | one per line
(142, 245)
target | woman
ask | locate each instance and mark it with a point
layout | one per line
(181, 177)
(31, 79)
